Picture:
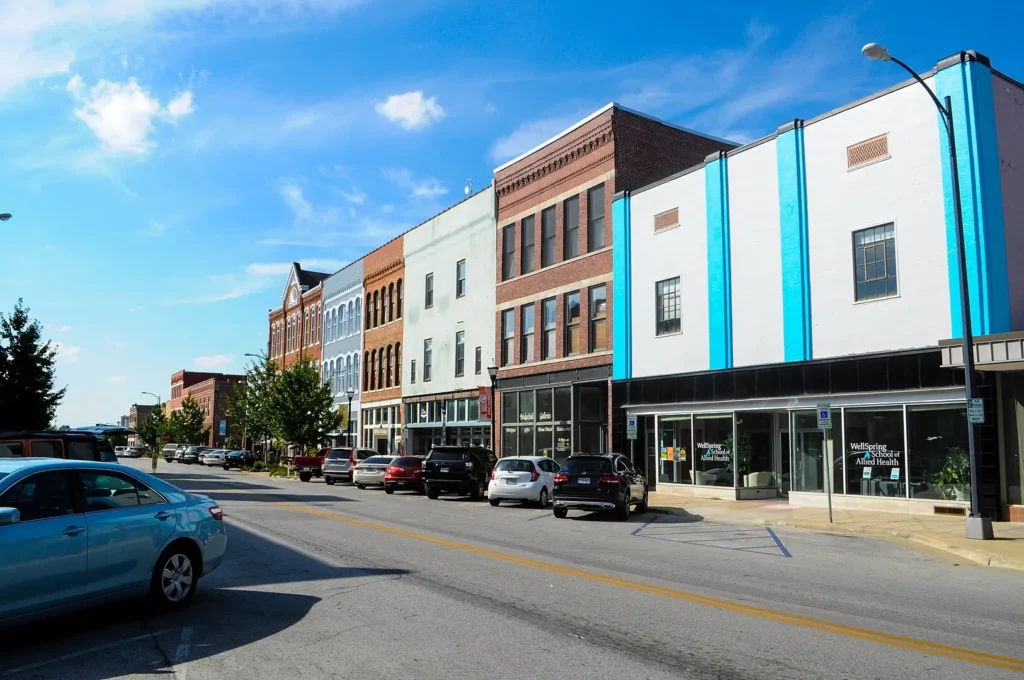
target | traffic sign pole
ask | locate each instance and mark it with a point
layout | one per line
(825, 425)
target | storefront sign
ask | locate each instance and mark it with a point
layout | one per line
(671, 454)
(485, 402)
(976, 411)
(380, 432)
(824, 416)
(223, 427)
(631, 427)
(875, 455)
(563, 438)
(894, 474)
(716, 453)
(867, 472)
(681, 455)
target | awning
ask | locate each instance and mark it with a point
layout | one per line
(997, 352)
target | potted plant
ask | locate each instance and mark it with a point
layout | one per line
(954, 477)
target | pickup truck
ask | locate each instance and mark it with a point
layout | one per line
(309, 467)
(463, 470)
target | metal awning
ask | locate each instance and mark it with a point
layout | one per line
(997, 352)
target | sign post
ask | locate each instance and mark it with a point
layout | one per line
(825, 425)
(975, 411)
(631, 436)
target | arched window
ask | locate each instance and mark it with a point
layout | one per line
(305, 329)
(325, 375)
(366, 369)
(343, 385)
(391, 302)
(369, 305)
(398, 296)
(389, 365)
(380, 368)
(333, 367)
(359, 313)
(355, 369)
(342, 328)
(376, 307)
(383, 304)
(348, 369)
(319, 323)
(330, 333)
(398, 364)
(351, 317)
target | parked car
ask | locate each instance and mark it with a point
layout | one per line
(523, 478)
(599, 482)
(179, 452)
(135, 451)
(214, 457)
(310, 466)
(168, 452)
(78, 533)
(119, 451)
(404, 472)
(190, 455)
(370, 472)
(464, 470)
(73, 444)
(237, 459)
(338, 463)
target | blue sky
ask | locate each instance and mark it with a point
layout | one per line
(165, 161)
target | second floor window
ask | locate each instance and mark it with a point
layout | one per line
(478, 361)
(527, 331)
(598, 318)
(508, 252)
(412, 371)
(508, 336)
(428, 292)
(874, 259)
(526, 262)
(428, 355)
(572, 323)
(595, 218)
(571, 228)
(549, 318)
(548, 238)
(460, 354)
(460, 278)
(667, 307)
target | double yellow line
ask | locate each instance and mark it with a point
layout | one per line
(982, 658)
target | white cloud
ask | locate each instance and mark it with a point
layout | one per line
(59, 328)
(294, 196)
(114, 342)
(181, 105)
(136, 309)
(210, 363)
(68, 354)
(119, 114)
(155, 229)
(529, 135)
(354, 196)
(411, 110)
(418, 188)
(116, 379)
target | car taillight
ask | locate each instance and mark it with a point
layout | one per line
(535, 475)
(561, 479)
(469, 466)
(394, 469)
(355, 468)
(494, 471)
(217, 513)
(608, 479)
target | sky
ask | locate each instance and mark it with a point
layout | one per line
(166, 160)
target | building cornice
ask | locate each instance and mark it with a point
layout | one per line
(381, 272)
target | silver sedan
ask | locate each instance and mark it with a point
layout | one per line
(371, 471)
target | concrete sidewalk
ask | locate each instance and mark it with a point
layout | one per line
(937, 532)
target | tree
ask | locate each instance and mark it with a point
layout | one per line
(150, 430)
(28, 399)
(304, 405)
(171, 428)
(253, 405)
(190, 422)
(118, 439)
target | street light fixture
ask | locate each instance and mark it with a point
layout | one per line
(492, 371)
(976, 527)
(5, 216)
(348, 426)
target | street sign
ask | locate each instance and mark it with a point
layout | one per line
(630, 427)
(975, 411)
(166, 438)
(824, 416)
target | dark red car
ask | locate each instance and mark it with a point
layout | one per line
(405, 472)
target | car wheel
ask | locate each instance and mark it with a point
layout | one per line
(641, 507)
(360, 486)
(305, 476)
(389, 489)
(543, 500)
(478, 491)
(561, 513)
(329, 481)
(175, 577)
(432, 494)
(623, 510)
(495, 502)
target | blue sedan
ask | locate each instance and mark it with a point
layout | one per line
(77, 533)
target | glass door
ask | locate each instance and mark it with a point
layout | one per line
(783, 454)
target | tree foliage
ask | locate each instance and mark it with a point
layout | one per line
(252, 407)
(304, 405)
(151, 429)
(28, 399)
(189, 422)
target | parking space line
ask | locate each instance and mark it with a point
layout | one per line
(644, 526)
(82, 652)
(778, 542)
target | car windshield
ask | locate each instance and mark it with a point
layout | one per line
(515, 465)
(378, 460)
(586, 466)
(447, 455)
(338, 453)
(408, 461)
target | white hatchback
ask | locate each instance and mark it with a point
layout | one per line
(523, 478)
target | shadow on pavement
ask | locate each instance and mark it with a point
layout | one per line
(660, 517)
(257, 497)
(249, 599)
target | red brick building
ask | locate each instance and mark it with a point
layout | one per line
(554, 274)
(296, 327)
(212, 391)
(383, 307)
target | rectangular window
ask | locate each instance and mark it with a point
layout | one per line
(571, 228)
(526, 257)
(667, 304)
(508, 251)
(572, 323)
(460, 278)
(548, 317)
(412, 371)
(595, 218)
(428, 355)
(460, 354)
(478, 360)
(874, 262)
(547, 237)
(526, 331)
(428, 295)
(508, 335)
(598, 318)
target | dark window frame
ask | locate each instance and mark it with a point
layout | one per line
(571, 227)
(663, 323)
(460, 354)
(595, 221)
(460, 279)
(428, 291)
(549, 340)
(595, 320)
(548, 257)
(571, 325)
(508, 252)
(526, 338)
(527, 249)
(868, 257)
(508, 336)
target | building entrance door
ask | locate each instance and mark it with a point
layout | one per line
(783, 454)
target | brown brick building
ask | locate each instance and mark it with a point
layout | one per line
(211, 391)
(554, 317)
(136, 416)
(383, 306)
(296, 327)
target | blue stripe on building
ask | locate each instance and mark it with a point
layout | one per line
(796, 267)
(716, 174)
(622, 289)
(969, 85)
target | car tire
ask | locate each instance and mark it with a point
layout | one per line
(175, 577)
(495, 502)
(623, 511)
(641, 507)
(561, 513)
(360, 486)
(329, 481)
(389, 489)
(543, 500)
(432, 494)
(305, 476)
(478, 491)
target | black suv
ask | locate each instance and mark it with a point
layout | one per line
(599, 482)
(237, 459)
(464, 470)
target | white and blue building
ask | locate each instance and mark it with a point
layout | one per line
(343, 344)
(819, 265)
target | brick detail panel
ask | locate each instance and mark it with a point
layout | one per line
(666, 220)
(868, 151)
(385, 272)
(555, 277)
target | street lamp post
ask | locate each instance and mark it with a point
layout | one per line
(348, 426)
(976, 527)
(492, 371)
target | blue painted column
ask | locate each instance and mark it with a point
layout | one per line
(622, 289)
(796, 261)
(716, 177)
(967, 79)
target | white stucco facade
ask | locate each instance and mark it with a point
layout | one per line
(464, 233)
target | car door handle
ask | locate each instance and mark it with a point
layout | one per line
(163, 514)
(73, 531)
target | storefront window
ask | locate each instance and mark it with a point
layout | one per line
(474, 409)
(875, 461)
(462, 410)
(526, 441)
(675, 447)
(563, 404)
(939, 465)
(509, 440)
(809, 452)
(545, 408)
(712, 450)
(563, 441)
(510, 407)
(753, 448)
(545, 437)
(526, 412)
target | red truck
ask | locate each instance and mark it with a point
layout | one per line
(309, 467)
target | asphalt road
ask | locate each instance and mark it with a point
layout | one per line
(333, 582)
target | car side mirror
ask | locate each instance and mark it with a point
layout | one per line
(9, 516)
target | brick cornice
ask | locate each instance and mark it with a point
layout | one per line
(389, 268)
(570, 152)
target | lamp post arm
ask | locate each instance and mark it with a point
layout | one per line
(947, 115)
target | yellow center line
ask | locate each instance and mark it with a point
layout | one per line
(961, 654)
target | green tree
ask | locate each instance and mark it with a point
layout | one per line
(190, 422)
(171, 427)
(151, 429)
(304, 405)
(118, 439)
(28, 399)
(253, 406)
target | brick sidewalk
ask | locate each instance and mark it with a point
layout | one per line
(938, 532)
